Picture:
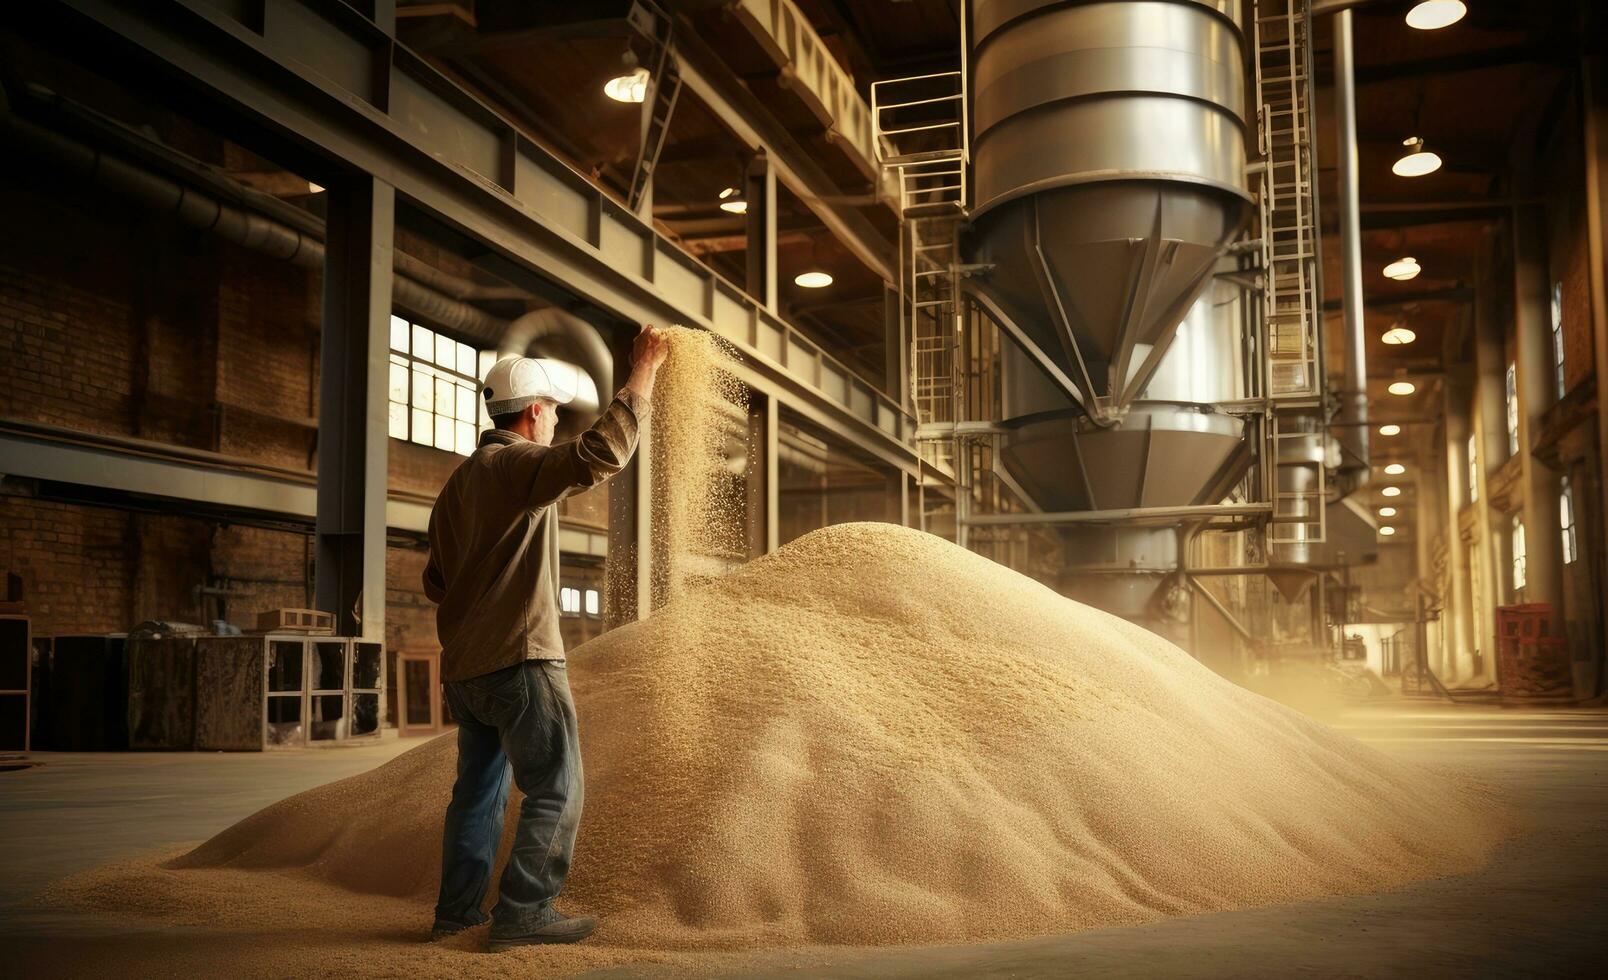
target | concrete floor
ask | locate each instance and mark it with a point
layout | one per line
(78, 810)
(1540, 909)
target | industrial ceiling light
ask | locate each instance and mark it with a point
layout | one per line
(1403, 269)
(1395, 469)
(1417, 162)
(814, 279)
(1387, 531)
(1390, 430)
(1432, 15)
(1398, 335)
(731, 200)
(1402, 388)
(1387, 512)
(1391, 491)
(631, 87)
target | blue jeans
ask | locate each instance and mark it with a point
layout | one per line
(519, 719)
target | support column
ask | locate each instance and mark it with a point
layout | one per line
(630, 561)
(1426, 507)
(353, 425)
(760, 193)
(1594, 99)
(1458, 607)
(1537, 392)
(773, 478)
(1489, 426)
(382, 13)
(762, 475)
(899, 487)
(897, 347)
(1354, 400)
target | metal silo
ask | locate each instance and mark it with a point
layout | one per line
(1109, 170)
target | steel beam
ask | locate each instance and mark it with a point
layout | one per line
(794, 168)
(353, 437)
(331, 83)
(1037, 354)
(226, 486)
(761, 240)
(1124, 514)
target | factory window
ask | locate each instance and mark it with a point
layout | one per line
(1513, 408)
(1518, 553)
(1473, 471)
(1566, 521)
(594, 605)
(1557, 334)
(434, 388)
(569, 601)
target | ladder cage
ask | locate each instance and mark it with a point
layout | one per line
(1292, 298)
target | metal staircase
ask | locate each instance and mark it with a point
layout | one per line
(657, 29)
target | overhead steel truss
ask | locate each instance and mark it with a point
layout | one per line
(321, 77)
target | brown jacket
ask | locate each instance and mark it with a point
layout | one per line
(494, 541)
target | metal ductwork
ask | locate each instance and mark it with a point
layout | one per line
(1354, 466)
(249, 229)
(535, 333)
(1109, 174)
(417, 287)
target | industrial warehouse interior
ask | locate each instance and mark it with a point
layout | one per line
(824, 488)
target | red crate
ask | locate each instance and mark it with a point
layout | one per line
(1531, 661)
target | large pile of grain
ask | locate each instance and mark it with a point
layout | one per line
(873, 736)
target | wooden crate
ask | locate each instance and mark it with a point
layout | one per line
(80, 693)
(295, 621)
(16, 683)
(229, 679)
(286, 689)
(161, 692)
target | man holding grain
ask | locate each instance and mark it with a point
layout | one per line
(493, 570)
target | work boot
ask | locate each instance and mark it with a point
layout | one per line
(446, 928)
(553, 927)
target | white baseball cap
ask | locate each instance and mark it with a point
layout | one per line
(515, 383)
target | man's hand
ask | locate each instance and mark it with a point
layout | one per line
(649, 350)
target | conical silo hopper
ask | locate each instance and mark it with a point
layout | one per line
(1109, 163)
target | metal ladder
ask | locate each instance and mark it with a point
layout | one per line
(1299, 516)
(1289, 212)
(664, 86)
(1292, 294)
(930, 312)
(921, 138)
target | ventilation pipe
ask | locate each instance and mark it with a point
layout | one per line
(1353, 436)
(249, 229)
(538, 328)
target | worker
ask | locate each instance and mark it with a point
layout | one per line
(493, 570)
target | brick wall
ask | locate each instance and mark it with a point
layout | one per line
(66, 312)
(409, 616)
(118, 322)
(1572, 267)
(267, 358)
(74, 561)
